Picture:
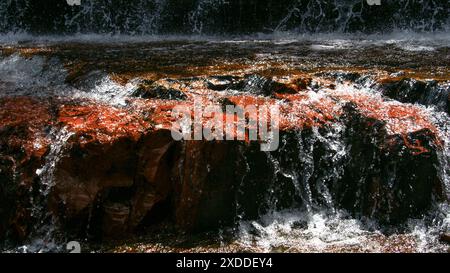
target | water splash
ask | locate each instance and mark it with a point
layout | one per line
(100, 87)
(41, 77)
(35, 76)
(332, 231)
(321, 227)
(46, 173)
(45, 236)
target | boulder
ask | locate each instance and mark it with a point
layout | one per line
(429, 93)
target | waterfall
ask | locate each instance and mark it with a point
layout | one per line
(220, 17)
(46, 236)
(364, 155)
(321, 226)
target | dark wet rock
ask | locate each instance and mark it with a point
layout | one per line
(149, 90)
(351, 76)
(407, 90)
(205, 187)
(8, 193)
(445, 237)
(262, 86)
(78, 185)
(129, 178)
(115, 219)
(380, 180)
(24, 124)
(221, 83)
(301, 83)
(429, 93)
(341, 76)
(85, 81)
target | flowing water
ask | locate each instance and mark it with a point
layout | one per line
(195, 16)
(326, 229)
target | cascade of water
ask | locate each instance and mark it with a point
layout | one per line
(310, 161)
(44, 237)
(141, 17)
(221, 17)
(325, 228)
(305, 177)
(200, 14)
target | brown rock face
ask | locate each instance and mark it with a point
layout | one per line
(131, 169)
(206, 176)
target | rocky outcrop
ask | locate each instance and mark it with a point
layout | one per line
(359, 152)
(148, 89)
(429, 93)
(379, 181)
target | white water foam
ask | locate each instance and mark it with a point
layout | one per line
(325, 231)
(30, 76)
(427, 39)
(38, 76)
